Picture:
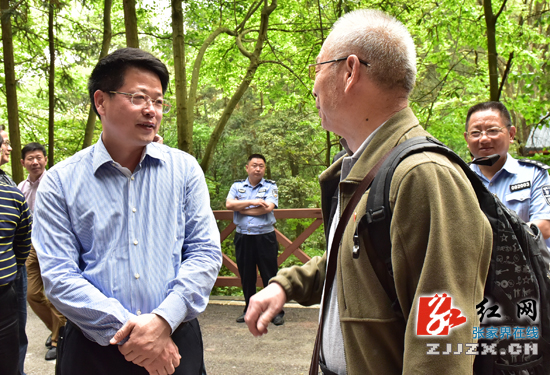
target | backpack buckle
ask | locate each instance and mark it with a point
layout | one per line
(374, 215)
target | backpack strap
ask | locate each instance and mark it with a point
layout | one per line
(378, 214)
(332, 257)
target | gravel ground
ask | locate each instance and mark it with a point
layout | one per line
(229, 349)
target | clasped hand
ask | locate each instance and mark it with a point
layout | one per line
(149, 344)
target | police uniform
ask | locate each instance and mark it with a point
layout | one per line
(255, 240)
(523, 186)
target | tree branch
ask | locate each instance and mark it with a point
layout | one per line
(253, 8)
(542, 120)
(7, 12)
(243, 50)
(500, 10)
(288, 68)
(506, 72)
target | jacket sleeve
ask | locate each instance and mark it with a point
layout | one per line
(442, 243)
(304, 284)
(22, 238)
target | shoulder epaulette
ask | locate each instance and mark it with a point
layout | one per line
(270, 181)
(535, 163)
(243, 180)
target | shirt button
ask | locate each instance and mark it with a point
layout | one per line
(135, 242)
(138, 312)
(134, 209)
(132, 178)
(136, 276)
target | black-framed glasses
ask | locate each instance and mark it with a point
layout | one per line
(491, 133)
(141, 100)
(313, 72)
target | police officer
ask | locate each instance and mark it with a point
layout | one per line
(522, 185)
(253, 201)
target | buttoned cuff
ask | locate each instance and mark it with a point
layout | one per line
(173, 310)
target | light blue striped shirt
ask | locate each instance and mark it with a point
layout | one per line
(113, 246)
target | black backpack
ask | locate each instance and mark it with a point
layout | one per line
(516, 264)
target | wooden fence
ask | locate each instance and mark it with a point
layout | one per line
(291, 247)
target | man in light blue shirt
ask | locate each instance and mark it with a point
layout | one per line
(253, 201)
(126, 239)
(522, 185)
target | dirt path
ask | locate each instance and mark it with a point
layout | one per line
(229, 348)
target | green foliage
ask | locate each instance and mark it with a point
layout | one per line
(277, 115)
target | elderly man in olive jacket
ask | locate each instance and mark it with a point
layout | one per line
(441, 241)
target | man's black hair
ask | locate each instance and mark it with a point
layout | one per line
(30, 147)
(495, 106)
(108, 74)
(256, 156)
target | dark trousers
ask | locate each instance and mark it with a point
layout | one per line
(9, 331)
(76, 355)
(20, 286)
(259, 250)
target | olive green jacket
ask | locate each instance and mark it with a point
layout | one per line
(441, 243)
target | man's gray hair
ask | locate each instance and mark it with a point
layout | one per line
(382, 41)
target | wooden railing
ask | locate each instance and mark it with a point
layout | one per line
(291, 247)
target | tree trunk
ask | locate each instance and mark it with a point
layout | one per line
(185, 130)
(51, 86)
(252, 67)
(195, 79)
(130, 23)
(11, 92)
(107, 35)
(491, 21)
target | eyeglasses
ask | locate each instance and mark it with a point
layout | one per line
(7, 142)
(254, 166)
(313, 72)
(143, 100)
(491, 133)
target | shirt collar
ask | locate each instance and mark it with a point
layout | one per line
(511, 165)
(349, 161)
(246, 182)
(38, 180)
(101, 155)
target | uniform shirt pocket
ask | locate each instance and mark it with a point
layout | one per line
(519, 201)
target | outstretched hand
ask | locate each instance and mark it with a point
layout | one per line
(263, 307)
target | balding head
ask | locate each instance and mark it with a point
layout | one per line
(380, 40)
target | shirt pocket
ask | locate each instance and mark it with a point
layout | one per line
(519, 201)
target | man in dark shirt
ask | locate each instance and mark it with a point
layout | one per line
(15, 244)
(20, 283)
